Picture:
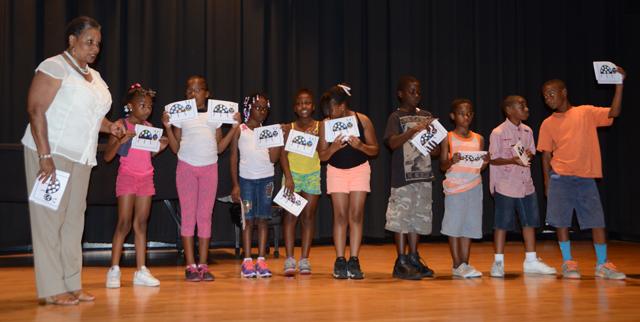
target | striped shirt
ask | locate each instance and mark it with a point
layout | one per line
(460, 178)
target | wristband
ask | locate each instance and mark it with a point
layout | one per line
(44, 156)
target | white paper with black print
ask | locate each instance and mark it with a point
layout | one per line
(521, 153)
(427, 140)
(147, 138)
(347, 126)
(182, 110)
(291, 201)
(269, 136)
(50, 194)
(472, 159)
(221, 111)
(301, 143)
(606, 72)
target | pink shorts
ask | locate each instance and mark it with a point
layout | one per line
(347, 180)
(131, 184)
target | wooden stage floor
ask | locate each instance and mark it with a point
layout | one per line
(320, 297)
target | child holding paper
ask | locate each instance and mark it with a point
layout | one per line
(571, 161)
(409, 212)
(512, 186)
(197, 143)
(253, 183)
(348, 177)
(301, 174)
(134, 187)
(462, 188)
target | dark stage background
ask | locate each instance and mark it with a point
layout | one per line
(482, 50)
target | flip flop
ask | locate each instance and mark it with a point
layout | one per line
(83, 296)
(61, 300)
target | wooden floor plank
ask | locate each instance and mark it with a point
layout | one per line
(377, 298)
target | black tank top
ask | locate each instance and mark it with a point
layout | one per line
(348, 157)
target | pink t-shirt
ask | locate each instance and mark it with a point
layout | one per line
(137, 162)
(510, 180)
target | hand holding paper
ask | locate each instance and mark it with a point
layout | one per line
(608, 73)
(182, 110)
(291, 202)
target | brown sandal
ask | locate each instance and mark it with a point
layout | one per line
(61, 299)
(83, 296)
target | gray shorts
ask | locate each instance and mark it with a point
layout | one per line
(409, 209)
(463, 214)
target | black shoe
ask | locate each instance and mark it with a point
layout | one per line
(404, 270)
(422, 268)
(340, 269)
(353, 268)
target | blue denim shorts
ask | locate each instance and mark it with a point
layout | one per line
(506, 208)
(256, 195)
(567, 193)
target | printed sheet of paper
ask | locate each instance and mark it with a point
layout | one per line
(521, 152)
(221, 111)
(472, 159)
(269, 136)
(147, 138)
(49, 194)
(606, 72)
(182, 110)
(291, 202)
(427, 140)
(244, 208)
(347, 126)
(301, 143)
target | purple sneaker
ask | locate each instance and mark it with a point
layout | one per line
(191, 274)
(205, 275)
(262, 269)
(248, 269)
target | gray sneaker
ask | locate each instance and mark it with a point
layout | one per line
(609, 271)
(497, 269)
(304, 266)
(570, 270)
(289, 266)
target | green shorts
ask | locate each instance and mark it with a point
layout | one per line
(309, 182)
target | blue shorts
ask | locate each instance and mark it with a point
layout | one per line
(567, 193)
(256, 195)
(506, 207)
(463, 214)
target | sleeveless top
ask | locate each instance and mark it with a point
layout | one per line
(461, 178)
(302, 164)
(136, 162)
(349, 157)
(254, 162)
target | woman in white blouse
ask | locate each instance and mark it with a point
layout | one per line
(67, 104)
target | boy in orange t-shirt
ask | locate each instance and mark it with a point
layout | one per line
(571, 162)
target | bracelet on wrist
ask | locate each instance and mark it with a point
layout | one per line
(44, 156)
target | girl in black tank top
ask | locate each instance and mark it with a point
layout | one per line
(348, 178)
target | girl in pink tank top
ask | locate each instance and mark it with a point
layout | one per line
(134, 187)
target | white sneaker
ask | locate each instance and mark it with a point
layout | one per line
(497, 269)
(459, 271)
(113, 277)
(143, 277)
(538, 267)
(472, 272)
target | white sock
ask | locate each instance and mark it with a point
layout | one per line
(531, 256)
(260, 258)
(498, 258)
(248, 259)
(115, 267)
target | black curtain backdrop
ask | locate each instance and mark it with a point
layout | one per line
(482, 50)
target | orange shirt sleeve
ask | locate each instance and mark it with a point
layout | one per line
(600, 116)
(545, 141)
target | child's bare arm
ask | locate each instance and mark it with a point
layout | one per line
(546, 169)
(370, 147)
(233, 162)
(173, 133)
(487, 156)
(223, 142)
(274, 153)
(616, 103)
(114, 143)
(326, 150)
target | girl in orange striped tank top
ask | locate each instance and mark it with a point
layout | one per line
(463, 189)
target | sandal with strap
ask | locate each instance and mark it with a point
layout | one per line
(83, 296)
(64, 299)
